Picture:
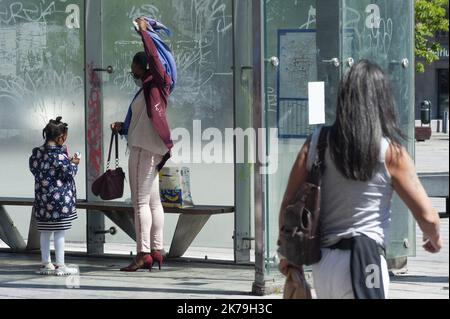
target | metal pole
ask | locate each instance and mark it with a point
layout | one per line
(94, 122)
(258, 83)
(242, 71)
(445, 123)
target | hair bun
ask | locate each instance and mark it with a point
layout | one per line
(58, 119)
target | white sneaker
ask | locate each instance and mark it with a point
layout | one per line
(47, 270)
(65, 271)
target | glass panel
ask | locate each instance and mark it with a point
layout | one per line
(291, 36)
(382, 32)
(314, 41)
(202, 44)
(41, 77)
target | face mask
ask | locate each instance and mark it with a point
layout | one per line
(139, 82)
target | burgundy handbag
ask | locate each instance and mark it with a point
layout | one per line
(110, 185)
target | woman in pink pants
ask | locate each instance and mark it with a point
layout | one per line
(149, 142)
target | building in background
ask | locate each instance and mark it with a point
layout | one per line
(433, 84)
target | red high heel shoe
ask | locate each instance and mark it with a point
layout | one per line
(142, 261)
(157, 258)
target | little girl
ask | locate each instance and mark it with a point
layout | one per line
(55, 195)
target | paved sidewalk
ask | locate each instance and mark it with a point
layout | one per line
(432, 155)
(426, 278)
(100, 279)
(427, 275)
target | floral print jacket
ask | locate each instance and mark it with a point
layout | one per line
(55, 192)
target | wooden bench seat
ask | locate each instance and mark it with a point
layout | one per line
(190, 222)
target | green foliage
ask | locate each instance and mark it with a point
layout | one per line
(430, 18)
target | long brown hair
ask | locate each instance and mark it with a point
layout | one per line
(365, 114)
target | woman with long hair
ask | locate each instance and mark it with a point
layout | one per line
(364, 164)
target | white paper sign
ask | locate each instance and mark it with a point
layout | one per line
(316, 96)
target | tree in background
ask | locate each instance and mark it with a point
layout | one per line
(431, 17)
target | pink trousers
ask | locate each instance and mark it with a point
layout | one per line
(145, 196)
